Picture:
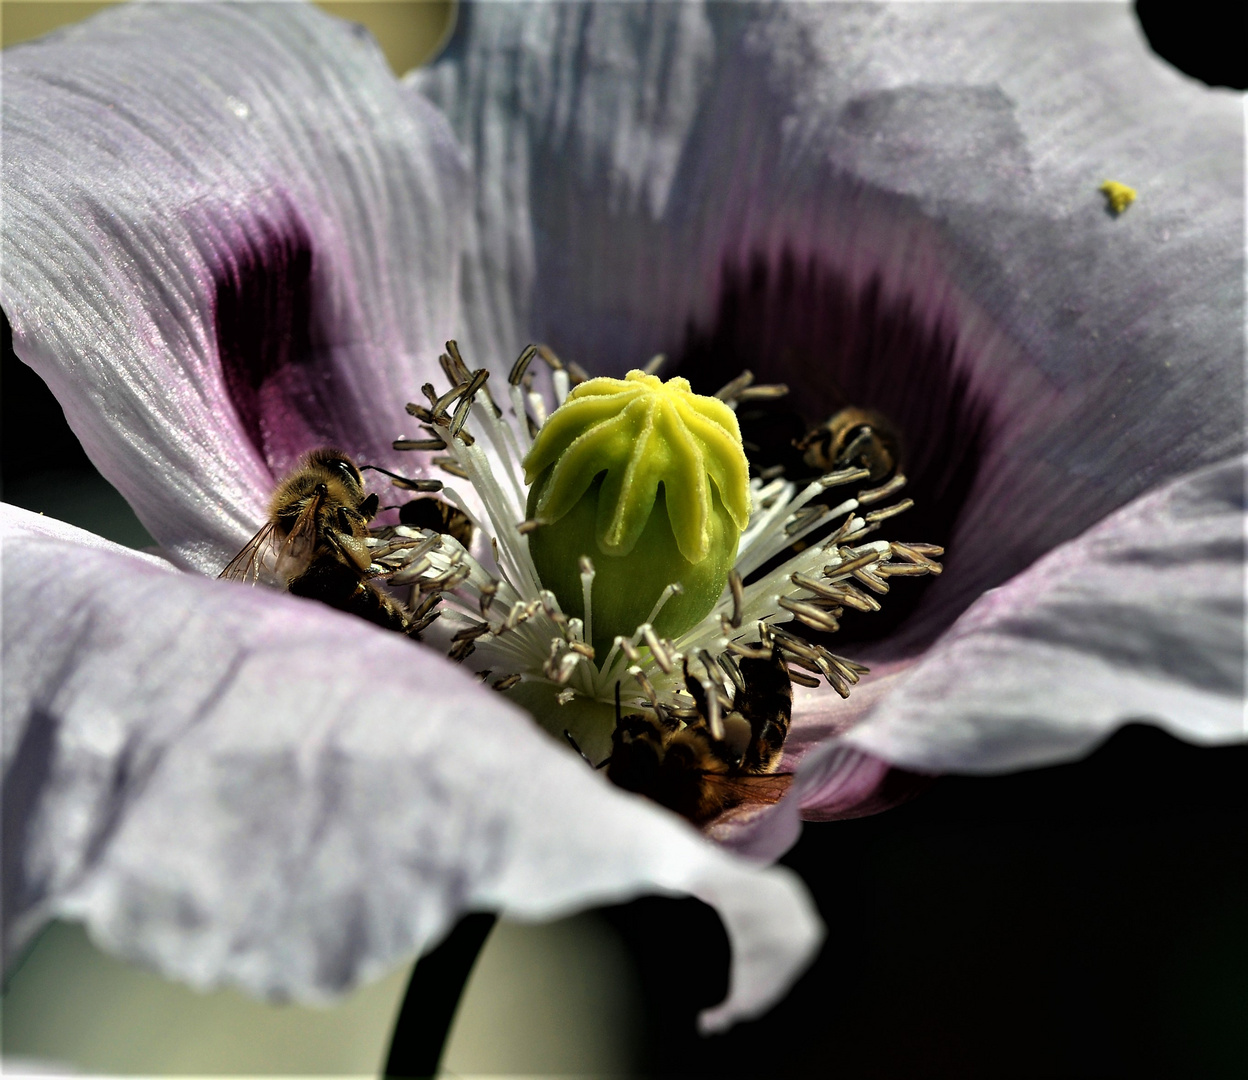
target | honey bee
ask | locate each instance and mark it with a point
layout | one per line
(439, 516)
(315, 542)
(428, 512)
(850, 437)
(696, 774)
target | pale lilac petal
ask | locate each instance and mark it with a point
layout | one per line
(1141, 618)
(238, 787)
(569, 114)
(229, 237)
(898, 203)
(632, 160)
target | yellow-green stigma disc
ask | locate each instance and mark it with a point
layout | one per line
(649, 481)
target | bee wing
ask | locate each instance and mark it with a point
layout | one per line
(765, 788)
(252, 561)
(300, 543)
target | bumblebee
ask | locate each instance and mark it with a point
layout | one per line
(315, 542)
(696, 773)
(850, 437)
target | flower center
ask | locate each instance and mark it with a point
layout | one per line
(503, 616)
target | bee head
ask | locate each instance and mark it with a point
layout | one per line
(339, 466)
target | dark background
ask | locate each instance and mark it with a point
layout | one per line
(1089, 920)
(1082, 921)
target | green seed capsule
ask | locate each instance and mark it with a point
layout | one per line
(650, 482)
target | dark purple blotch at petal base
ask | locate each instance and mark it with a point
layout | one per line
(834, 342)
(263, 317)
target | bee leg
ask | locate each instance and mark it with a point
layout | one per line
(696, 690)
(767, 703)
(584, 756)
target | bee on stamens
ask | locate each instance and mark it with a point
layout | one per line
(854, 437)
(427, 512)
(315, 543)
(682, 763)
(439, 516)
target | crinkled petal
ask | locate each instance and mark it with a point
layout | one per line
(776, 184)
(574, 117)
(627, 155)
(239, 787)
(229, 237)
(1141, 618)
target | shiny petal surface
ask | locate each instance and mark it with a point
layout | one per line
(898, 205)
(1141, 618)
(239, 787)
(229, 237)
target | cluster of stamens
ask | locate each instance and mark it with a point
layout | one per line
(514, 628)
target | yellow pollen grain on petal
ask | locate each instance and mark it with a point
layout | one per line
(1119, 196)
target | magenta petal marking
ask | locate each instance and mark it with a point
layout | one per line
(262, 317)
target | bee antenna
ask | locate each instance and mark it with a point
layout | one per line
(378, 468)
(617, 702)
(405, 482)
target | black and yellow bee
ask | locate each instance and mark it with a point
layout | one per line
(688, 769)
(437, 515)
(854, 437)
(315, 542)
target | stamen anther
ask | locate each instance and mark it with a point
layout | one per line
(865, 498)
(737, 587)
(521, 365)
(888, 511)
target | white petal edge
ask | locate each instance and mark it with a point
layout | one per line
(159, 147)
(1140, 618)
(240, 787)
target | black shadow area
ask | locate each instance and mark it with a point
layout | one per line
(1086, 920)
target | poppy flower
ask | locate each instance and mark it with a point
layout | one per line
(230, 237)
(823, 195)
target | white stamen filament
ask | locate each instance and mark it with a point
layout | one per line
(515, 628)
(587, 596)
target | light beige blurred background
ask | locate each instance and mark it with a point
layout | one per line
(545, 1000)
